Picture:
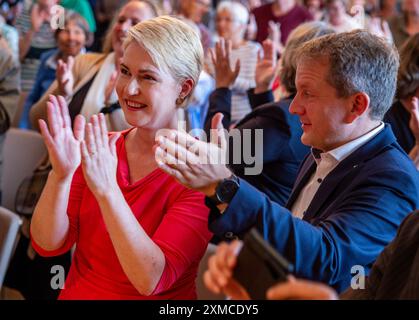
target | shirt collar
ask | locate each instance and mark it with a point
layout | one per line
(340, 153)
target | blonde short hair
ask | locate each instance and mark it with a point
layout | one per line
(173, 46)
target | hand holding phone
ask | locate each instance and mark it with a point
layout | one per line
(259, 266)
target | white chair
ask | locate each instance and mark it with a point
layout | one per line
(9, 231)
(23, 151)
(202, 291)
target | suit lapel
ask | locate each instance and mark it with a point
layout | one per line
(339, 176)
(334, 181)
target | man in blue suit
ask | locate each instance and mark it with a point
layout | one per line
(352, 191)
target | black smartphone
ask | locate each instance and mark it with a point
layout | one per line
(259, 266)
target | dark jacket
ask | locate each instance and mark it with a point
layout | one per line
(352, 217)
(398, 117)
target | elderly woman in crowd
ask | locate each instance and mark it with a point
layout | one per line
(404, 114)
(231, 24)
(139, 233)
(71, 41)
(339, 19)
(88, 82)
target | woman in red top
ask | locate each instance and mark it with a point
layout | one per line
(139, 233)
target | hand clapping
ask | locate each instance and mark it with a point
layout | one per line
(225, 76)
(64, 75)
(88, 145)
(99, 159)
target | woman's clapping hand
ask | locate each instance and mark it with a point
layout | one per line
(86, 144)
(62, 142)
(99, 159)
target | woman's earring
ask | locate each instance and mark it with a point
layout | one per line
(179, 101)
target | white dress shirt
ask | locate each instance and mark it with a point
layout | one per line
(325, 164)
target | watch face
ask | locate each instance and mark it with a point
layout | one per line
(227, 190)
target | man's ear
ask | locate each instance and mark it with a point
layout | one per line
(360, 103)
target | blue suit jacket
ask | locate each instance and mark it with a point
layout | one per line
(352, 217)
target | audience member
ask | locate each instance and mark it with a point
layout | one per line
(11, 36)
(337, 17)
(351, 192)
(138, 233)
(407, 23)
(195, 10)
(285, 12)
(231, 22)
(83, 8)
(403, 110)
(36, 36)
(9, 91)
(315, 7)
(71, 41)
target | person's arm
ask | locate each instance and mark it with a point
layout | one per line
(37, 17)
(356, 231)
(25, 44)
(219, 102)
(50, 224)
(258, 99)
(220, 99)
(264, 76)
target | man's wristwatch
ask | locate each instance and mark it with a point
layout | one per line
(225, 190)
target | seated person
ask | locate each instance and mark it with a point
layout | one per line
(9, 91)
(287, 13)
(231, 24)
(354, 188)
(401, 113)
(71, 41)
(138, 233)
(337, 17)
(405, 24)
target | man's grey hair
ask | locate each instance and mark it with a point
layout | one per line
(358, 62)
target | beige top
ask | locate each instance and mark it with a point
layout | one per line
(84, 69)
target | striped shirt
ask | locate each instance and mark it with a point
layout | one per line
(41, 41)
(44, 39)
